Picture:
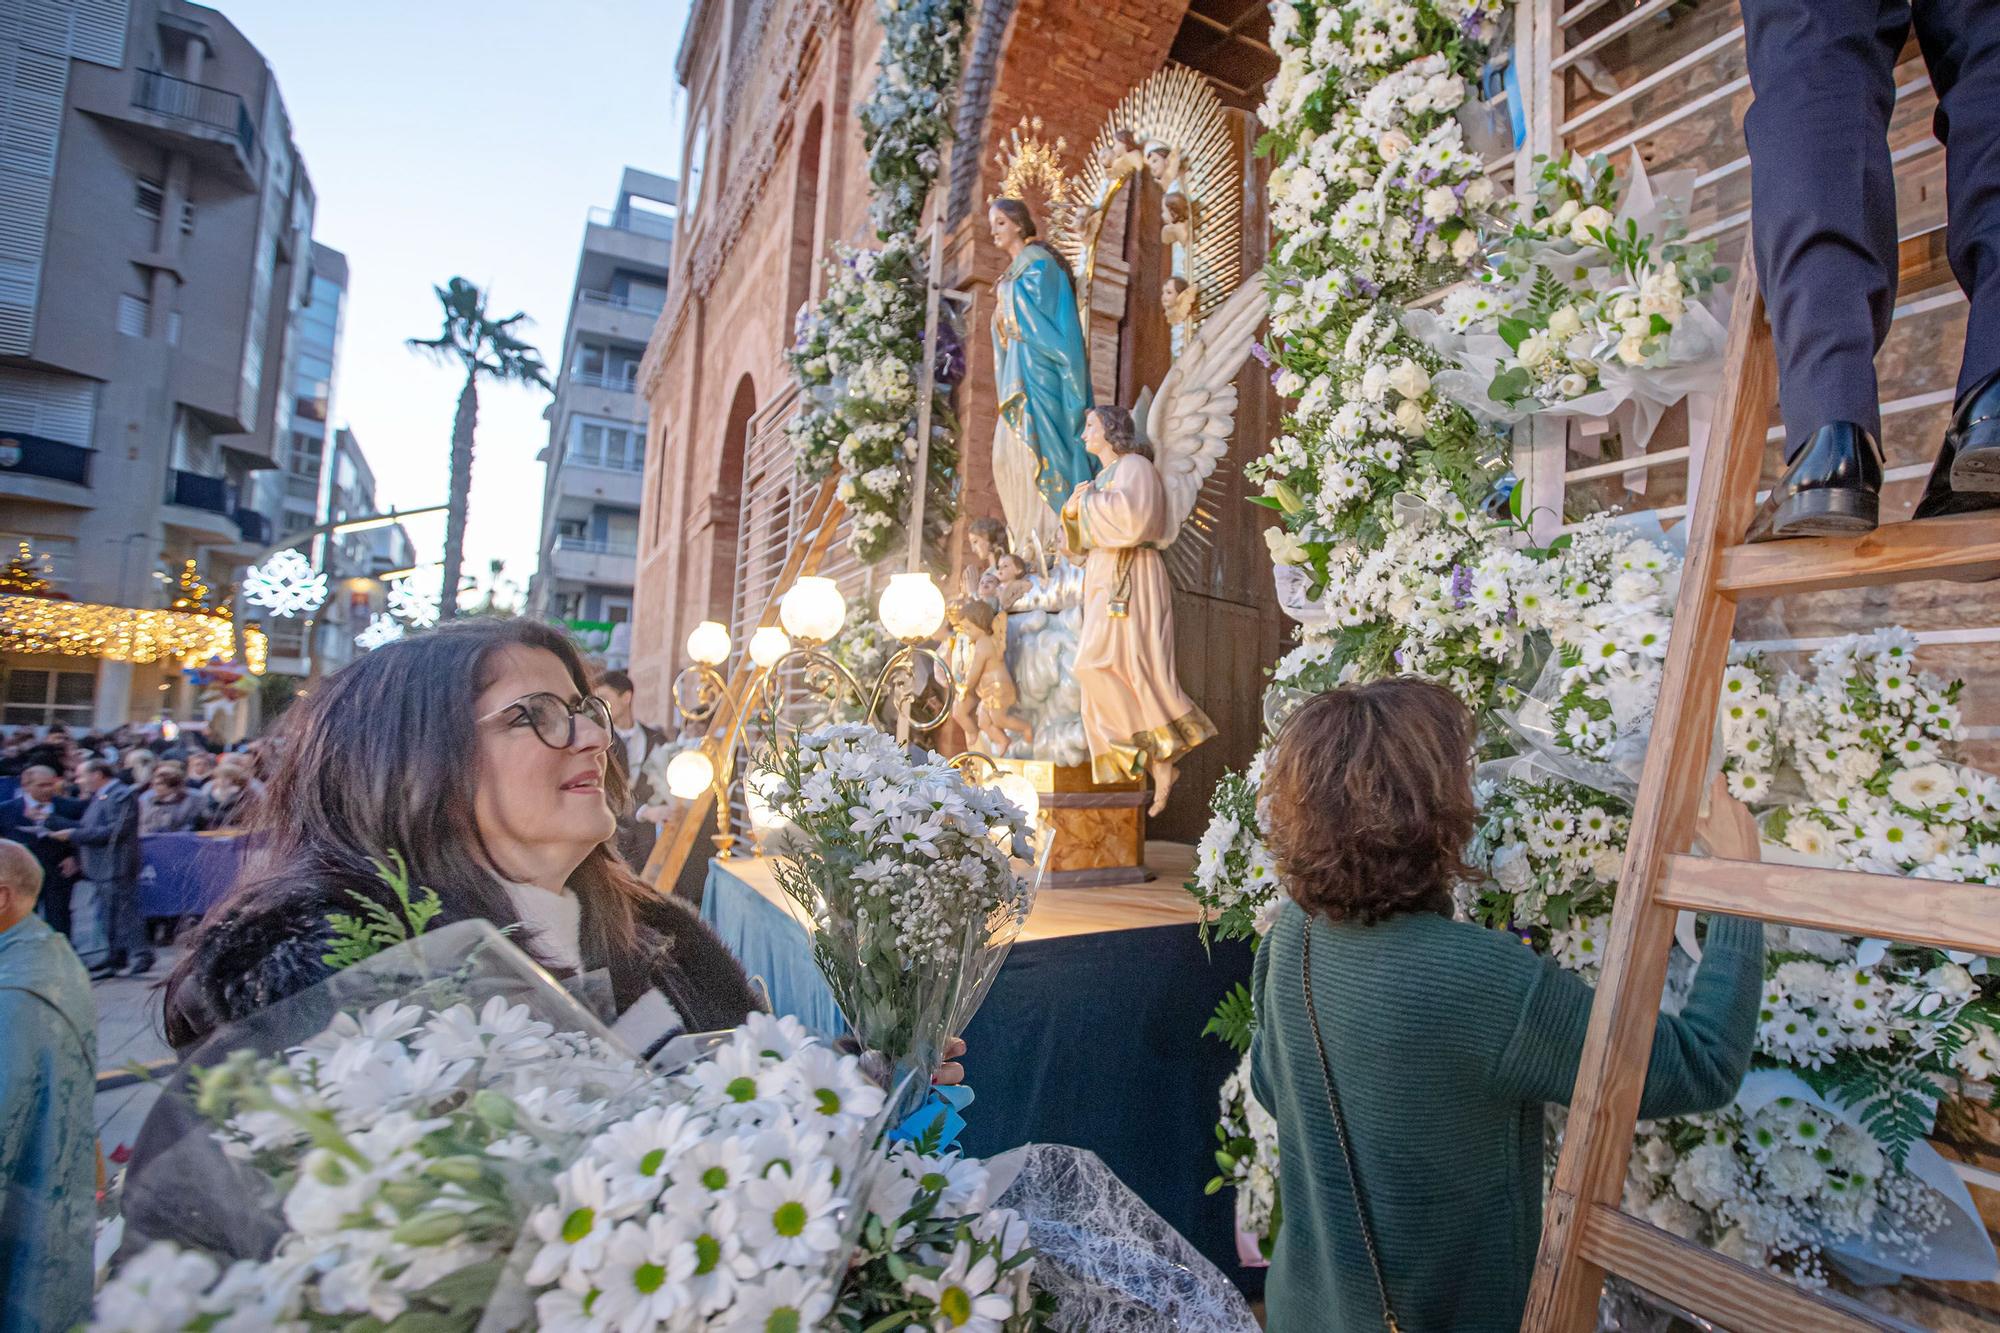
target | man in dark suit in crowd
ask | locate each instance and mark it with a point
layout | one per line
(1823, 219)
(107, 844)
(41, 805)
(633, 742)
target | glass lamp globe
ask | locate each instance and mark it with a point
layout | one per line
(689, 774)
(708, 643)
(767, 645)
(813, 609)
(757, 784)
(912, 607)
(1021, 793)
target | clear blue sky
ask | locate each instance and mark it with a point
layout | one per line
(467, 137)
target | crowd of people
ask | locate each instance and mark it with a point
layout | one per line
(83, 801)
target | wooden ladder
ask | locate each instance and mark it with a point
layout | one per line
(1585, 1236)
(676, 843)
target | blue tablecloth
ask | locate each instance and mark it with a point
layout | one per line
(1092, 1040)
(184, 874)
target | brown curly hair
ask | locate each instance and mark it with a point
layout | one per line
(1369, 800)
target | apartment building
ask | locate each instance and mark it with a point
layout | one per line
(596, 452)
(155, 243)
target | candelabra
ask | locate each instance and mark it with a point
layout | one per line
(810, 614)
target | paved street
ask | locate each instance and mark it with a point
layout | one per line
(128, 1032)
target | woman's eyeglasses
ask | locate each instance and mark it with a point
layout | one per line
(554, 721)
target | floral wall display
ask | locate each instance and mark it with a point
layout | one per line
(857, 355)
(1401, 547)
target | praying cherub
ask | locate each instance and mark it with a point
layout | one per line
(984, 708)
(1011, 581)
(1178, 216)
(1164, 161)
(1124, 154)
(1177, 298)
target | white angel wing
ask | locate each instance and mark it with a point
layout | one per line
(1189, 421)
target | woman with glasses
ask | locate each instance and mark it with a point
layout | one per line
(478, 753)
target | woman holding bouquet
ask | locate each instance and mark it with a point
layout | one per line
(478, 753)
(1408, 1057)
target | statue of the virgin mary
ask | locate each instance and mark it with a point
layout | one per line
(1042, 372)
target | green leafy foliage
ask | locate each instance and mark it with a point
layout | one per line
(378, 927)
(1235, 1020)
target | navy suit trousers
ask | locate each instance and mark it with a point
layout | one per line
(1823, 193)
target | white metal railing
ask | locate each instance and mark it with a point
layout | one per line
(624, 382)
(634, 466)
(596, 546)
(617, 302)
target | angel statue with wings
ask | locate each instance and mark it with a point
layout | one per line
(1042, 371)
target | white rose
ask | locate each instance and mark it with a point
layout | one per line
(1533, 351)
(1662, 294)
(1596, 216)
(1440, 203)
(1465, 245)
(1392, 145)
(1565, 323)
(1444, 91)
(1565, 215)
(1572, 386)
(1624, 308)
(1409, 379)
(1631, 349)
(1480, 192)
(1638, 326)
(1409, 418)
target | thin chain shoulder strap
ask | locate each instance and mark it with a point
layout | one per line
(1340, 1132)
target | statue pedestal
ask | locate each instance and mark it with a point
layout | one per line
(1100, 829)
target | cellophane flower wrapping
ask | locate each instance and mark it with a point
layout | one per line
(440, 1138)
(913, 883)
(1109, 1262)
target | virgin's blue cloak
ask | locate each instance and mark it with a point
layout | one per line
(1042, 370)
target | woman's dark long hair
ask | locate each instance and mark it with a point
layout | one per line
(384, 757)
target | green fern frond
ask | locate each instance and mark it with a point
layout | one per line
(1235, 1019)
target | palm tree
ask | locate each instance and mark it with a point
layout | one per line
(482, 346)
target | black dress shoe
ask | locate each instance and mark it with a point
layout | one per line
(1832, 487)
(103, 971)
(1972, 443)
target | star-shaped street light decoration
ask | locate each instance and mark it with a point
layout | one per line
(383, 629)
(414, 604)
(285, 585)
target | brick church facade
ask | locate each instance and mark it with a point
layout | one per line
(775, 175)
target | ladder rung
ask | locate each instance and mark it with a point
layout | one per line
(1921, 263)
(1963, 544)
(1707, 1284)
(1941, 913)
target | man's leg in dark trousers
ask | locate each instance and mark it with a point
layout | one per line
(1961, 45)
(1823, 196)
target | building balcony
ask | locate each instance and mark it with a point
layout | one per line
(618, 485)
(582, 560)
(201, 506)
(603, 315)
(210, 124)
(636, 241)
(45, 470)
(597, 379)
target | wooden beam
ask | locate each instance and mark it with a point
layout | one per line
(1665, 74)
(1611, 32)
(1964, 546)
(1705, 1283)
(1941, 913)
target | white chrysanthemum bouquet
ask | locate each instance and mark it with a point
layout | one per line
(475, 1151)
(907, 877)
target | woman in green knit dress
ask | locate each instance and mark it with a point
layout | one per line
(1443, 1041)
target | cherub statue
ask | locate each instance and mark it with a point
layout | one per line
(1177, 217)
(984, 708)
(1124, 154)
(1011, 579)
(1178, 298)
(1164, 161)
